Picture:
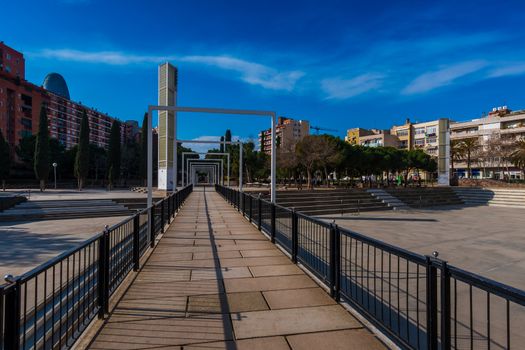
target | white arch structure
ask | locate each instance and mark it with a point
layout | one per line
(218, 163)
(151, 108)
(183, 182)
(194, 168)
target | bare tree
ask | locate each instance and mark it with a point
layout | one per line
(309, 154)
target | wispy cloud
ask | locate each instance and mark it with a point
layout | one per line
(442, 77)
(341, 89)
(205, 147)
(508, 70)
(252, 73)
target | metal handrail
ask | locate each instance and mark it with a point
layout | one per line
(434, 330)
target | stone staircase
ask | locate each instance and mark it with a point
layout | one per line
(422, 197)
(64, 209)
(497, 197)
(323, 202)
(388, 199)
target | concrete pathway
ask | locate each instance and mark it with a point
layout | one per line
(215, 282)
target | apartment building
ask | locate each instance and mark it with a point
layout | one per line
(21, 101)
(378, 138)
(495, 135)
(432, 137)
(353, 135)
(288, 132)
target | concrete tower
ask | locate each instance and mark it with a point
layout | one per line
(167, 127)
(444, 152)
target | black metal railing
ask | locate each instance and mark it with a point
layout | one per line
(419, 302)
(50, 306)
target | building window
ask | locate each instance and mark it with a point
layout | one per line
(402, 132)
(432, 139)
(419, 142)
(419, 131)
(431, 130)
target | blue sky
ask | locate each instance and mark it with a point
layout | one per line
(339, 64)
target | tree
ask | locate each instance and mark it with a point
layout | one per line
(469, 148)
(518, 156)
(25, 151)
(227, 138)
(222, 144)
(82, 156)
(143, 169)
(114, 154)
(329, 153)
(97, 161)
(42, 154)
(456, 153)
(308, 154)
(5, 160)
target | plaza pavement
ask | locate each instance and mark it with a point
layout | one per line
(215, 282)
(489, 241)
(25, 245)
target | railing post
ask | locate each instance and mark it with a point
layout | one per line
(445, 307)
(152, 225)
(431, 303)
(273, 224)
(103, 274)
(12, 317)
(136, 242)
(335, 261)
(162, 215)
(251, 208)
(259, 212)
(170, 198)
(294, 236)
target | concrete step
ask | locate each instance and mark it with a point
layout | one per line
(388, 199)
(346, 211)
(64, 209)
(508, 198)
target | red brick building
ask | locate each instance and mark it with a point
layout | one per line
(20, 103)
(20, 100)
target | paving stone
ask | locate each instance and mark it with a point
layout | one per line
(227, 303)
(260, 253)
(268, 283)
(222, 273)
(249, 301)
(264, 261)
(290, 298)
(292, 321)
(355, 339)
(276, 270)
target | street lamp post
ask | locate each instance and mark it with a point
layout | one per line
(55, 171)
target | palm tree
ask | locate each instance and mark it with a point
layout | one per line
(456, 153)
(468, 148)
(518, 156)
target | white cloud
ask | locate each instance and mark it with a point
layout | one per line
(250, 72)
(442, 77)
(508, 70)
(340, 89)
(101, 57)
(203, 147)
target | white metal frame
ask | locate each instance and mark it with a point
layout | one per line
(215, 162)
(205, 153)
(151, 108)
(196, 167)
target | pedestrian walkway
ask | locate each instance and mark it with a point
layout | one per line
(215, 282)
